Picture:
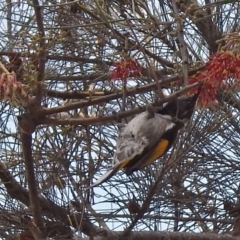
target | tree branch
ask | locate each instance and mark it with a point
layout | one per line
(33, 228)
(144, 235)
(42, 52)
(33, 193)
(61, 58)
(131, 92)
(76, 94)
(16, 191)
(209, 31)
(183, 48)
(105, 119)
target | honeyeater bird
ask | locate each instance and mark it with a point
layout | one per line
(149, 136)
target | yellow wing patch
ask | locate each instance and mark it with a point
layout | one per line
(157, 152)
(124, 163)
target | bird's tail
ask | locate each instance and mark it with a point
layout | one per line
(118, 166)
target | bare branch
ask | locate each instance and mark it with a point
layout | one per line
(105, 119)
(42, 49)
(32, 184)
(183, 48)
(166, 235)
(17, 192)
(33, 228)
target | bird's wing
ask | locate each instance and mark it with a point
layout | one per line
(155, 132)
(132, 139)
(128, 146)
(127, 150)
(139, 137)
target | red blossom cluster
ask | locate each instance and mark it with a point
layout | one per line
(10, 88)
(222, 68)
(125, 68)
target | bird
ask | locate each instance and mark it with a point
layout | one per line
(149, 135)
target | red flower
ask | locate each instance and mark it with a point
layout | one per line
(221, 69)
(125, 68)
(10, 88)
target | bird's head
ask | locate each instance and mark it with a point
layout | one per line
(179, 109)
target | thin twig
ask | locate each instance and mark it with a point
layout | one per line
(148, 199)
(146, 59)
(9, 23)
(183, 48)
(124, 83)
